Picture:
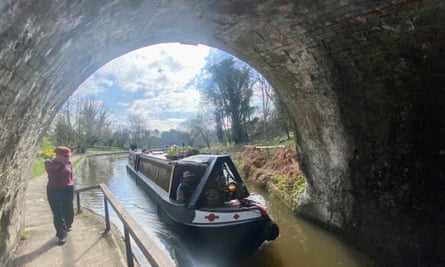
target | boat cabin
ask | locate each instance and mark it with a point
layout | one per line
(216, 182)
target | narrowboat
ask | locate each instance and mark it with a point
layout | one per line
(219, 208)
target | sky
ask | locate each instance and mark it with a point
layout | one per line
(152, 82)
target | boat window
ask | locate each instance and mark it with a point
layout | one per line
(223, 186)
(158, 173)
(197, 170)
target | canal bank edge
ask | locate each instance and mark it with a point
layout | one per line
(87, 244)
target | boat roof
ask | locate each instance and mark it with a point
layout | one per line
(199, 159)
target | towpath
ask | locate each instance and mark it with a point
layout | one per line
(86, 244)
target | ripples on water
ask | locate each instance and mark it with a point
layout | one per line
(299, 243)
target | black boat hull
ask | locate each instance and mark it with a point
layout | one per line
(236, 237)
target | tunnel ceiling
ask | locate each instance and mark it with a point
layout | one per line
(362, 82)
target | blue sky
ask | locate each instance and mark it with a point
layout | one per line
(152, 82)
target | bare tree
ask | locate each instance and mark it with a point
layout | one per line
(267, 99)
(200, 128)
(81, 123)
(281, 117)
(139, 131)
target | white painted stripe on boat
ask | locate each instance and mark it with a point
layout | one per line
(209, 217)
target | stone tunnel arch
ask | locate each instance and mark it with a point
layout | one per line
(348, 72)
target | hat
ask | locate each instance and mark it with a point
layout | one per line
(188, 174)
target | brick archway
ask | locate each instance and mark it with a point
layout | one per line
(362, 82)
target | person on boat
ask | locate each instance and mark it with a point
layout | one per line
(185, 188)
(133, 147)
(60, 191)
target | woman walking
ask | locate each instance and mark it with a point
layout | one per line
(60, 191)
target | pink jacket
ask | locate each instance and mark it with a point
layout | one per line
(59, 174)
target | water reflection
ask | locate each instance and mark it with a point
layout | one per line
(299, 244)
(110, 170)
(304, 244)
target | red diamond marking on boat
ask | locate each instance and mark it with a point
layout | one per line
(211, 217)
(236, 216)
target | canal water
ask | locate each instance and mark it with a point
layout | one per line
(299, 244)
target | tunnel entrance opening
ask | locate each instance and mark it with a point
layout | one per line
(168, 87)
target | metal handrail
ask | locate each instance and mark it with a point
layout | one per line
(151, 251)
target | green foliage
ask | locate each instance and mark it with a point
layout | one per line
(46, 144)
(64, 133)
(179, 151)
(77, 161)
(104, 148)
(46, 152)
(172, 151)
(235, 148)
(222, 149)
(47, 149)
(299, 186)
(81, 123)
(289, 192)
(24, 235)
(38, 168)
(244, 167)
(188, 150)
(230, 92)
(275, 141)
(280, 181)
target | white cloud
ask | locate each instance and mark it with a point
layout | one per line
(169, 101)
(157, 67)
(151, 82)
(123, 104)
(168, 109)
(93, 86)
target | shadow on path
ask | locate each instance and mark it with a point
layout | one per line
(51, 243)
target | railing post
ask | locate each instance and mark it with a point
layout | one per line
(128, 248)
(107, 215)
(131, 228)
(78, 202)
